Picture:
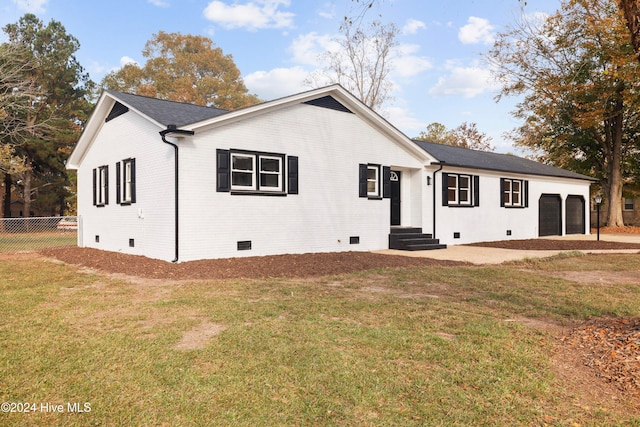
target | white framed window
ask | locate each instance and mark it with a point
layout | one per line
(270, 173)
(513, 192)
(126, 193)
(627, 203)
(252, 171)
(373, 181)
(243, 171)
(459, 190)
(126, 181)
(101, 186)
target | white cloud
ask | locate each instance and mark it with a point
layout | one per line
(403, 119)
(465, 81)
(254, 15)
(406, 64)
(328, 11)
(33, 6)
(159, 3)
(276, 83)
(127, 60)
(307, 48)
(412, 26)
(478, 30)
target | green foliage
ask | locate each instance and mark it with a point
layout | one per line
(576, 73)
(52, 111)
(184, 68)
(465, 136)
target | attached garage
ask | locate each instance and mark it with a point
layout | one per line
(550, 215)
(575, 215)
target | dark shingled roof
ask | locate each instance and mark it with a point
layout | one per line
(463, 157)
(167, 112)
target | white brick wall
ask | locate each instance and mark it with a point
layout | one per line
(149, 221)
(322, 217)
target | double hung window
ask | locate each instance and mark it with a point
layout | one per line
(459, 189)
(101, 186)
(513, 193)
(126, 181)
(256, 172)
(373, 181)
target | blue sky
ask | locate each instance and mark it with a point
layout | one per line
(438, 73)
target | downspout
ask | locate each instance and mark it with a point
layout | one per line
(174, 131)
(441, 164)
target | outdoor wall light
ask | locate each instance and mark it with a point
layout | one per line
(428, 180)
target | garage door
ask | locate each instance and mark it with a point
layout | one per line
(575, 215)
(550, 215)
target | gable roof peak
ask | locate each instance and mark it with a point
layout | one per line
(165, 111)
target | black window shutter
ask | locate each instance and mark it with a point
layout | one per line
(223, 171)
(133, 180)
(95, 187)
(476, 190)
(386, 182)
(292, 178)
(362, 183)
(106, 185)
(502, 192)
(445, 189)
(526, 194)
(118, 184)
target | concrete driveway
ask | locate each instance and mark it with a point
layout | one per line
(484, 255)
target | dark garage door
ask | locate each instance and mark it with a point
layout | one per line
(575, 215)
(550, 215)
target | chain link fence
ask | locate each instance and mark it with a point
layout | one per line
(25, 234)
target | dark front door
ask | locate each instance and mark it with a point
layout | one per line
(395, 197)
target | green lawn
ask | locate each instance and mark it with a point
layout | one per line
(420, 346)
(11, 242)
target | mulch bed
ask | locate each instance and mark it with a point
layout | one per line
(612, 348)
(557, 245)
(292, 265)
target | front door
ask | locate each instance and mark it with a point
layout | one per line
(395, 197)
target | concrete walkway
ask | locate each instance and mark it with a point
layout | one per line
(484, 255)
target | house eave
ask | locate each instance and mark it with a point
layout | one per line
(340, 94)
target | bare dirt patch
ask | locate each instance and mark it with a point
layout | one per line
(199, 336)
(597, 277)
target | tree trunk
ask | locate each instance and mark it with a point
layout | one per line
(6, 208)
(27, 194)
(631, 10)
(615, 125)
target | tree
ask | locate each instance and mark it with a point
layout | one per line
(362, 63)
(184, 68)
(465, 136)
(577, 75)
(631, 10)
(46, 121)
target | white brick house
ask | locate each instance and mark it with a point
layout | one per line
(313, 172)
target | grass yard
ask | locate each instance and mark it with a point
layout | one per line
(10, 242)
(418, 346)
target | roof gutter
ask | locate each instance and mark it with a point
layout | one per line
(173, 131)
(441, 164)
